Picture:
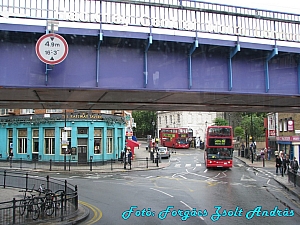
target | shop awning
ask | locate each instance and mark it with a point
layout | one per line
(132, 143)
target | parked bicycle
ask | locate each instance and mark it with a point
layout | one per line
(29, 204)
(46, 200)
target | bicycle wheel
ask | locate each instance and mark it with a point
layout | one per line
(49, 204)
(35, 212)
(22, 207)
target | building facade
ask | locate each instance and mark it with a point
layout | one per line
(44, 135)
(288, 134)
(196, 122)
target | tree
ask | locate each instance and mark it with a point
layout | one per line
(143, 120)
(220, 122)
(239, 132)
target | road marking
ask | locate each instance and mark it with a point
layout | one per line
(190, 208)
(97, 213)
(198, 164)
(162, 192)
(246, 178)
(205, 171)
(177, 165)
(148, 177)
(182, 176)
(188, 165)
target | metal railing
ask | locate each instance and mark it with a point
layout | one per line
(69, 165)
(65, 202)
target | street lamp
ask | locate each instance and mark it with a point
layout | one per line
(153, 124)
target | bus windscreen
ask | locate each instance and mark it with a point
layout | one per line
(219, 153)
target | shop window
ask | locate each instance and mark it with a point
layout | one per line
(35, 141)
(9, 139)
(82, 130)
(98, 141)
(109, 141)
(22, 141)
(49, 142)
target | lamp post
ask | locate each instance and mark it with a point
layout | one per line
(153, 125)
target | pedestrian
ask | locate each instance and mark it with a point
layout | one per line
(10, 155)
(129, 156)
(262, 154)
(278, 164)
(287, 163)
(295, 165)
(284, 165)
(269, 153)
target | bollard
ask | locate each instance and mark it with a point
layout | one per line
(252, 155)
(263, 161)
(111, 164)
(157, 160)
(147, 162)
(91, 166)
(69, 164)
(50, 164)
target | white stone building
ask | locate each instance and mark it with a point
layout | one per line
(196, 122)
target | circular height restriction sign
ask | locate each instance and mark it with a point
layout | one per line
(51, 49)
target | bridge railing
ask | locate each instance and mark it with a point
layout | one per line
(65, 199)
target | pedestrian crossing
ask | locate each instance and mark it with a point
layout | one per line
(187, 165)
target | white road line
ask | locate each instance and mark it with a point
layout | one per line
(188, 165)
(177, 165)
(190, 208)
(162, 192)
(199, 164)
(182, 176)
(217, 175)
(205, 171)
(148, 177)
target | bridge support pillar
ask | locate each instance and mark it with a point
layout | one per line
(267, 77)
(232, 53)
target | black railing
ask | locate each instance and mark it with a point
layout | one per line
(64, 199)
(69, 165)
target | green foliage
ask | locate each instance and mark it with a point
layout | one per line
(143, 120)
(239, 132)
(220, 122)
(253, 124)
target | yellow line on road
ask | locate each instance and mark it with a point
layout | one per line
(97, 213)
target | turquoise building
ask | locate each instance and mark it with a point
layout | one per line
(80, 135)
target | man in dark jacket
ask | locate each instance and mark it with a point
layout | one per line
(278, 165)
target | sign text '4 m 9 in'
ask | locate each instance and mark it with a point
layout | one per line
(51, 49)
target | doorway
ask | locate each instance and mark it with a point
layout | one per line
(82, 150)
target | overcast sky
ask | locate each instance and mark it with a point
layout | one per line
(291, 6)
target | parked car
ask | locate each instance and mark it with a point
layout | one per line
(164, 152)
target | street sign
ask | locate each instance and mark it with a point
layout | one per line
(51, 49)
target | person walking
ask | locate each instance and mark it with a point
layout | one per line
(284, 165)
(295, 165)
(129, 157)
(269, 153)
(278, 164)
(287, 163)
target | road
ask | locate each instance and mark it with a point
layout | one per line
(186, 191)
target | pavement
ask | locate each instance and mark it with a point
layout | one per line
(7, 194)
(282, 180)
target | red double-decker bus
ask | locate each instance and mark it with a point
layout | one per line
(218, 147)
(174, 137)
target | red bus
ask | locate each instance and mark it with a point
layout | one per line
(174, 137)
(218, 147)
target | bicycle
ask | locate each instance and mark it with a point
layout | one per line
(47, 203)
(29, 203)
